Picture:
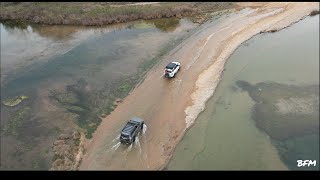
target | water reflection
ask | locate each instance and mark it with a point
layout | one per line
(166, 25)
(58, 32)
(8, 25)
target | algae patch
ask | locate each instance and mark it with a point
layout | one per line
(14, 101)
(289, 114)
(16, 121)
(284, 111)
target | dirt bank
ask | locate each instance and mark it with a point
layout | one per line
(169, 107)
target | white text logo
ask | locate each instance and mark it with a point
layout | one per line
(302, 163)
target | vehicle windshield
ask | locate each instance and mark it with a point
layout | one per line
(125, 135)
(170, 66)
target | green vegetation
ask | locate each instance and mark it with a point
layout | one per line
(90, 131)
(44, 152)
(35, 165)
(142, 25)
(125, 88)
(14, 101)
(15, 24)
(76, 100)
(73, 108)
(66, 98)
(166, 25)
(101, 13)
(16, 121)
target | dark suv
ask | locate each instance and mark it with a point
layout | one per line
(131, 130)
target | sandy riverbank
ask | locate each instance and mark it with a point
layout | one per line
(169, 107)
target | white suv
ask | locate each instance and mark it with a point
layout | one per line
(171, 69)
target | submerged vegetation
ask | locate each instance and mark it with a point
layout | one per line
(101, 13)
(284, 111)
(16, 121)
(14, 101)
(290, 116)
(78, 101)
(166, 25)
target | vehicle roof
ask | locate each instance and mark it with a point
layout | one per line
(131, 125)
(171, 65)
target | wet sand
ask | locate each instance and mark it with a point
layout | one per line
(169, 107)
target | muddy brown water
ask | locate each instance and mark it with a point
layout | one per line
(36, 59)
(225, 135)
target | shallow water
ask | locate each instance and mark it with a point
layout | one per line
(225, 136)
(84, 68)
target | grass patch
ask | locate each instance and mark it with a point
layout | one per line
(14, 101)
(99, 13)
(125, 88)
(166, 25)
(15, 24)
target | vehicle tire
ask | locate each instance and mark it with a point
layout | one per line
(142, 127)
(134, 139)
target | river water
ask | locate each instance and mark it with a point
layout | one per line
(226, 136)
